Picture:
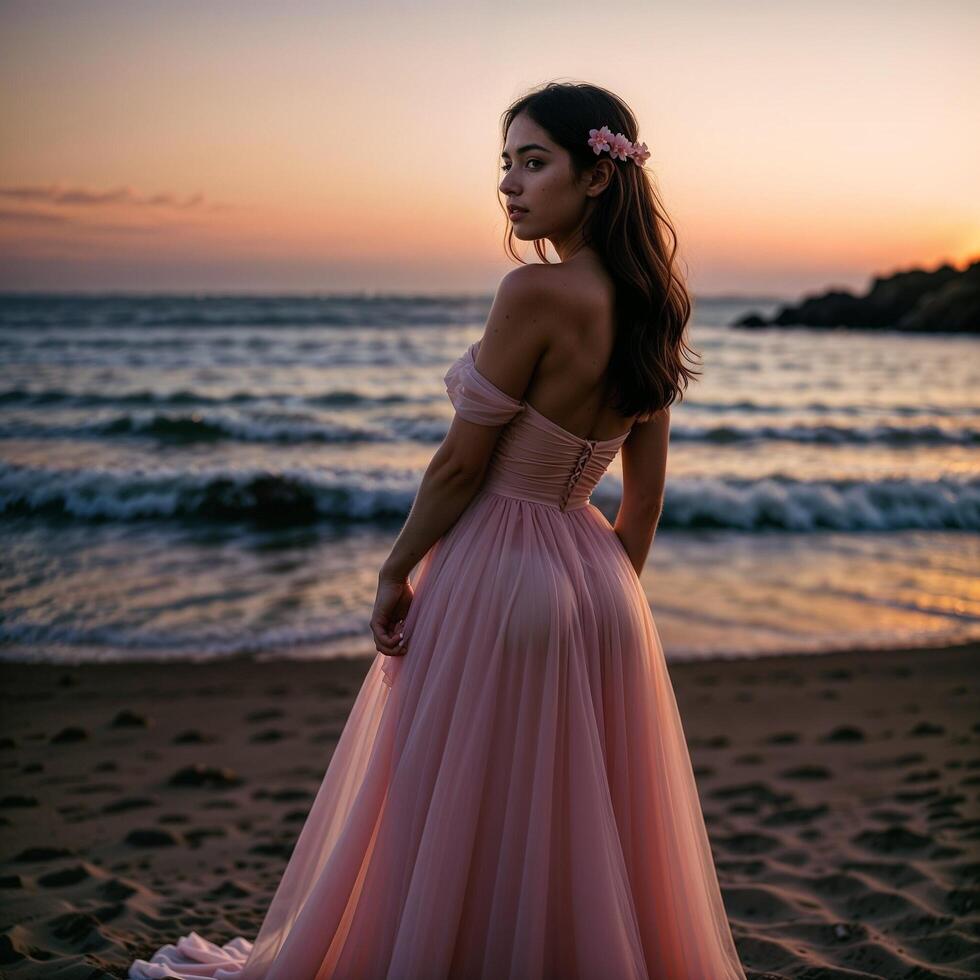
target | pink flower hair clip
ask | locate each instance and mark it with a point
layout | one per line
(618, 146)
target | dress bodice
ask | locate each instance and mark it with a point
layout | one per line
(535, 458)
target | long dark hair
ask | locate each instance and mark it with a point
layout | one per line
(635, 240)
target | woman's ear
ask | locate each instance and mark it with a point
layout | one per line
(599, 177)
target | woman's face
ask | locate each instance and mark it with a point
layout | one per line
(538, 177)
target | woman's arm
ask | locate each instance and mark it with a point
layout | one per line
(515, 336)
(447, 487)
(644, 456)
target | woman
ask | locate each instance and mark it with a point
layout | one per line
(512, 795)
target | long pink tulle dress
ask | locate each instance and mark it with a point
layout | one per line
(514, 797)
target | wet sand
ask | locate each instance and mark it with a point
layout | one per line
(141, 802)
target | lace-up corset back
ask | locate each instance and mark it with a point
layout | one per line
(535, 458)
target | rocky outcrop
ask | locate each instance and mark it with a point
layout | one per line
(946, 300)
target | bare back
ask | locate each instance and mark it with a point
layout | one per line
(568, 383)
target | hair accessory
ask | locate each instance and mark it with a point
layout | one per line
(618, 146)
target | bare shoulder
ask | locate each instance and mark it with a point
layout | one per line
(557, 282)
(531, 286)
(521, 312)
(517, 331)
(542, 298)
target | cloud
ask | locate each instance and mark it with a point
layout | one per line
(71, 225)
(58, 194)
(32, 217)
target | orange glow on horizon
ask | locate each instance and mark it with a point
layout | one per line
(310, 147)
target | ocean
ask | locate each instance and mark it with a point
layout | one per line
(205, 477)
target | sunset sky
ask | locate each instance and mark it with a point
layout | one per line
(283, 146)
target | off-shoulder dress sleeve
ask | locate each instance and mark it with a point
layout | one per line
(475, 398)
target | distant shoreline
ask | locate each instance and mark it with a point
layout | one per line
(945, 300)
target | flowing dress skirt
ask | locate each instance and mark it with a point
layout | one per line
(513, 798)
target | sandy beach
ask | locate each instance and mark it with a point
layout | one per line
(141, 802)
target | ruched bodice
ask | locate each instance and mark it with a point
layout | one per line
(535, 458)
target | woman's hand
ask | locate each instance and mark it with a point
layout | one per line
(388, 618)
